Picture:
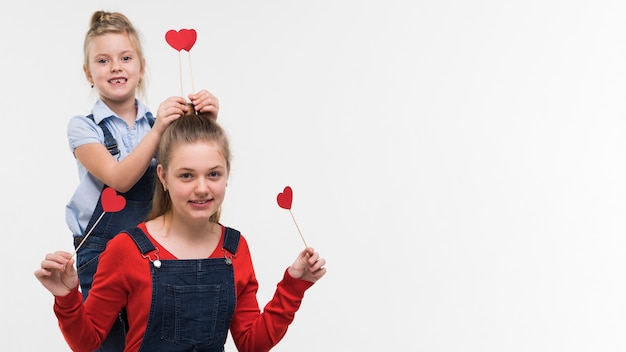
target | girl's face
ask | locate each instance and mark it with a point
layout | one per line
(114, 67)
(195, 180)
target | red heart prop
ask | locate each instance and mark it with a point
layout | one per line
(284, 198)
(111, 201)
(183, 39)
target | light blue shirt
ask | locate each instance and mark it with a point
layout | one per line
(80, 131)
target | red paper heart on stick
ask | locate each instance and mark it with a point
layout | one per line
(284, 198)
(183, 39)
(111, 201)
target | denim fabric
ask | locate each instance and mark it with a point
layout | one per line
(97, 127)
(116, 339)
(192, 303)
(138, 204)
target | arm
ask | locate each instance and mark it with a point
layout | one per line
(86, 325)
(58, 275)
(253, 330)
(122, 175)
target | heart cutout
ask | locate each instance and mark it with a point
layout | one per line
(285, 197)
(183, 39)
(111, 201)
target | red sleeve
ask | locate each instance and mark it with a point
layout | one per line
(84, 326)
(251, 329)
(78, 332)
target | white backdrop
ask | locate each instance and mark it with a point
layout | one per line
(460, 164)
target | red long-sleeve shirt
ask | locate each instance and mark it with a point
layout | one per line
(123, 280)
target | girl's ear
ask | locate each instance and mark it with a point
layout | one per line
(160, 171)
(88, 75)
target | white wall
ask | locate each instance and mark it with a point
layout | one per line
(460, 164)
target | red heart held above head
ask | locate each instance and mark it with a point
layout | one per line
(183, 39)
(284, 198)
(111, 201)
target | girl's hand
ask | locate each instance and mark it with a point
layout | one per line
(169, 110)
(203, 101)
(172, 108)
(308, 266)
(57, 273)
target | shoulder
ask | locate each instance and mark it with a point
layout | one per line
(81, 121)
(82, 125)
(120, 251)
(243, 250)
(121, 243)
(242, 263)
(242, 243)
(82, 130)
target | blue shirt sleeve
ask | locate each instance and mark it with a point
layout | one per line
(81, 131)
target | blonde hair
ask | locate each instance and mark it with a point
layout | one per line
(103, 22)
(187, 129)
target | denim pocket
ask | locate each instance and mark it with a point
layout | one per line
(195, 314)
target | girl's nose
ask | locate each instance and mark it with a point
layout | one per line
(115, 67)
(202, 186)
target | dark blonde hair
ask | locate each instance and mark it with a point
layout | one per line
(103, 22)
(187, 129)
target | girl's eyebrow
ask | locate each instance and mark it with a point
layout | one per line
(190, 169)
(124, 52)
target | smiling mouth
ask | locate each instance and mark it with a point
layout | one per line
(200, 201)
(118, 80)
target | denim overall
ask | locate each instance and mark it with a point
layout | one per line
(138, 204)
(193, 300)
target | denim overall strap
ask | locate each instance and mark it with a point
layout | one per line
(193, 300)
(150, 118)
(141, 240)
(109, 142)
(138, 205)
(231, 241)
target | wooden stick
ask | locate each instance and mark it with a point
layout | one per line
(87, 235)
(193, 90)
(294, 221)
(180, 73)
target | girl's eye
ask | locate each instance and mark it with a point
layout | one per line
(185, 176)
(102, 61)
(215, 174)
(126, 58)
